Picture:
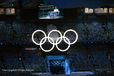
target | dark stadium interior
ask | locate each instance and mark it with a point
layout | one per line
(91, 55)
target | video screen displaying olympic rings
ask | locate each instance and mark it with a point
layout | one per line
(51, 40)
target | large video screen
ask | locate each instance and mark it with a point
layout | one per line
(101, 10)
(88, 10)
(10, 11)
(111, 10)
(1, 11)
(49, 12)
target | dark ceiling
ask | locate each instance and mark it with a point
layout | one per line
(80, 3)
(61, 3)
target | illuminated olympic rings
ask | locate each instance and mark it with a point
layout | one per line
(58, 40)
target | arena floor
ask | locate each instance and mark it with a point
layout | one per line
(81, 73)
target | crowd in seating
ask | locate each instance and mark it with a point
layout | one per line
(95, 31)
(92, 31)
(35, 64)
(80, 61)
(94, 60)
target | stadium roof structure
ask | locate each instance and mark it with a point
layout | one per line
(61, 3)
(79, 3)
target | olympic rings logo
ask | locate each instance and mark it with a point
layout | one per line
(58, 40)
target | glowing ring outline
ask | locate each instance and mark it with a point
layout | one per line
(42, 44)
(65, 42)
(75, 34)
(57, 38)
(34, 34)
